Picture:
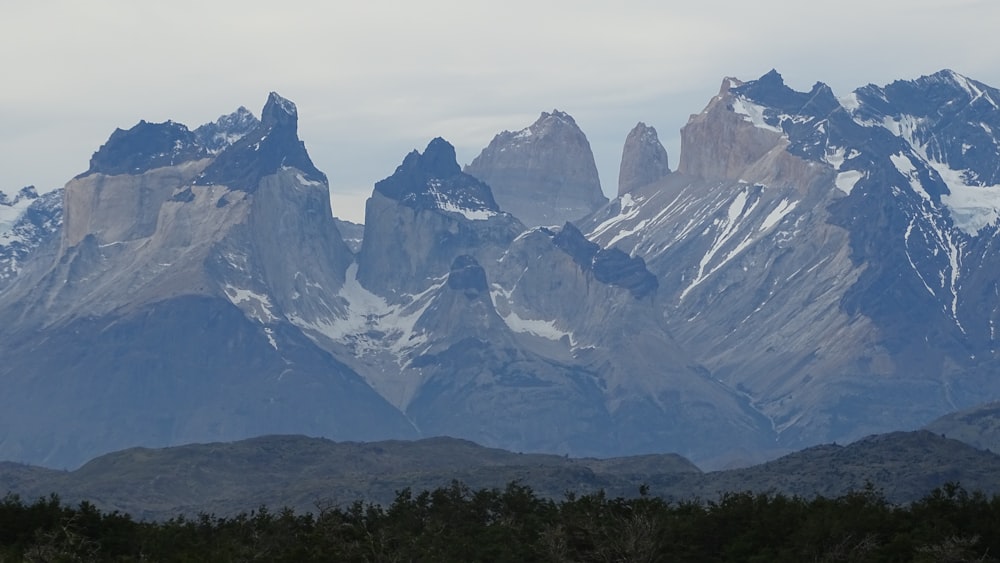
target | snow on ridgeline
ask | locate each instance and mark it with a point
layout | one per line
(477, 211)
(371, 324)
(753, 113)
(11, 209)
(972, 206)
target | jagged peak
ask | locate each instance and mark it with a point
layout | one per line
(950, 75)
(439, 157)
(610, 266)
(27, 192)
(226, 130)
(269, 147)
(545, 124)
(772, 78)
(729, 83)
(145, 146)
(279, 109)
(770, 91)
(547, 121)
(558, 115)
(972, 88)
(644, 160)
(438, 160)
(647, 133)
(821, 88)
(240, 115)
(434, 180)
(768, 85)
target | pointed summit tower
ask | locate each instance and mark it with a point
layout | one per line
(543, 174)
(644, 160)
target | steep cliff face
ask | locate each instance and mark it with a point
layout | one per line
(162, 314)
(810, 248)
(543, 174)
(817, 269)
(644, 160)
(422, 217)
(134, 238)
(29, 224)
(550, 293)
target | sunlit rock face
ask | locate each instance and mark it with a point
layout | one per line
(644, 160)
(543, 174)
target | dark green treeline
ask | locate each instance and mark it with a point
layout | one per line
(458, 524)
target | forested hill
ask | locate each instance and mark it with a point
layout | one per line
(307, 474)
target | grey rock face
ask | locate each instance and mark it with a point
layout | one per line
(226, 130)
(169, 300)
(29, 222)
(543, 174)
(422, 217)
(270, 147)
(644, 160)
(611, 266)
(817, 270)
(189, 369)
(353, 233)
(144, 147)
(812, 255)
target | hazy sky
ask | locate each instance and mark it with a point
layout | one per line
(375, 80)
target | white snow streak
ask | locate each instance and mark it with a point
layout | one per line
(257, 306)
(728, 227)
(444, 204)
(371, 324)
(753, 113)
(778, 213)
(972, 207)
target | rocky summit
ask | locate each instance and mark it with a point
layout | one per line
(827, 257)
(818, 268)
(159, 313)
(644, 160)
(543, 174)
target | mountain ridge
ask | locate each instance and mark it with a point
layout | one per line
(779, 289)
(306, 473)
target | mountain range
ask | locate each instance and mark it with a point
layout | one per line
(816, 269)
(310, 474)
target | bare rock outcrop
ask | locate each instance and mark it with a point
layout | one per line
(644, 160)
(543, 174)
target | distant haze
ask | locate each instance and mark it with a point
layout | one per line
(373, 81)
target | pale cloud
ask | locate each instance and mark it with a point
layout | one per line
(374, 80)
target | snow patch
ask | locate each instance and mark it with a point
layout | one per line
(306, 182)
(905, 167)
(753, 113)
(370, 324)
(10, 213)
(727, 230)
(629, 210)
(850, 102)
(544, 329)
(972, 207)
(443, 203)
(778, 213)
(257, 306)
(846, 180)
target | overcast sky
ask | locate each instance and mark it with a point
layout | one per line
(375, 80)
